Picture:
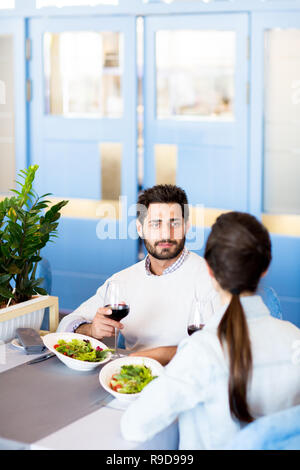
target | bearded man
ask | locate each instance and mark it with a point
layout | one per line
(161, 289)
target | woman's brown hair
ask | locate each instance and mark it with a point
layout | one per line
(238, 251)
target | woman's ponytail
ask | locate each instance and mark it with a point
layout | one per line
(238, 252)
(233, 332)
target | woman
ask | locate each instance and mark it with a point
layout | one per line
(239, 367)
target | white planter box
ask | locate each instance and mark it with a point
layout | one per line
(28, 314)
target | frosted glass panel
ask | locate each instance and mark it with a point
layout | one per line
(282, 122)
(83, 73)
(195, 74)
(7, 151)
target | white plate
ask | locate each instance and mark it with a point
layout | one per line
(52, 338)
(114, 367)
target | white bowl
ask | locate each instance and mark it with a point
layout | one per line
(52, 338)
(114, 367)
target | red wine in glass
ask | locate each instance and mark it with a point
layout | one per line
(192, 328)
(115, 298)
(119, 311)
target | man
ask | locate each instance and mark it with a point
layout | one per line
(160, 289)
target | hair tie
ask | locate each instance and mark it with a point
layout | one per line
(235, 291)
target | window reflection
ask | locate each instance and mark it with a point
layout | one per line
(7, 140)
(83, 72)
(195, 74)
(282, 119)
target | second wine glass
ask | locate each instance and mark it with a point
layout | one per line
(200, 312)
(115, 299)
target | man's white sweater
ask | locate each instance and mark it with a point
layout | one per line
(159, 305)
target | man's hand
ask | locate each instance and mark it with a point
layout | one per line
(162, 354)
(102, 326)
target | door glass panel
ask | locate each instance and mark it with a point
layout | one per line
(83, 74)
(195, 74)
(7, 151)
(111, 166)
(282, 121)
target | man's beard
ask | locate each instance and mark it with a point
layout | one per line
(165, 253)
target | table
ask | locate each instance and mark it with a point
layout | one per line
(98, 427)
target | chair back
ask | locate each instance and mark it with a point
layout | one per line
(278, 431)
(271, 300)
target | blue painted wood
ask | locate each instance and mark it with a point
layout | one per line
(81, 262)
(211, 176)
(291, 309)
(283, 274)
(60, 128)
(79, 249)
(70, 169)
(73, 289)
(140, 7)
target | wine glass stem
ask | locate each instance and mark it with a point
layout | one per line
(116, 342)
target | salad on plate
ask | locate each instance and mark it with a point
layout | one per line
(81, 350)
(131, 378)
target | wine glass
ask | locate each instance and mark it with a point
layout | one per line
(201, 310)
(114, 299)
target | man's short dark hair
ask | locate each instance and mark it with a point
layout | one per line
(163, 194)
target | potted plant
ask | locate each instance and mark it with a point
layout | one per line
(27, 224)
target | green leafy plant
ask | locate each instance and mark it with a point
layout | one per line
(27, 223)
